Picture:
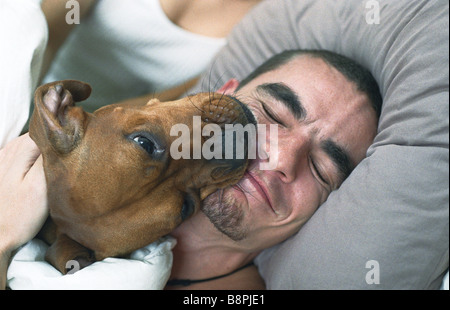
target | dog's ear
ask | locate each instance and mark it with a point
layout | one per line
(56, 121)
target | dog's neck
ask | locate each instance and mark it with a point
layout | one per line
(203, 252)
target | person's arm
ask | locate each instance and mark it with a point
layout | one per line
(23, 197)
(55, 12)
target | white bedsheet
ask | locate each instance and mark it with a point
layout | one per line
(146, 269)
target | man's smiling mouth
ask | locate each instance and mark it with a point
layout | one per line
(259, 187)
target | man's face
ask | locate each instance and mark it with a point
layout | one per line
(325, 126)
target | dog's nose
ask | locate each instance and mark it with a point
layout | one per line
(224, 109)
(238, 128)
(235, 144)
(236, 140)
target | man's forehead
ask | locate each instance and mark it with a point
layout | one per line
(314, 81)
(307, 68)
(307, 72)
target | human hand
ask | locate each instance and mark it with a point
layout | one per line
(23, 193)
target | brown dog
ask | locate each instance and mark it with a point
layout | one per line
(113, 186)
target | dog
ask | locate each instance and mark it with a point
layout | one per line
(113, 186)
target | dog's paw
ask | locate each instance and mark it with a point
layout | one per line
(79, 263)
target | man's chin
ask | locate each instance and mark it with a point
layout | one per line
(225, 212)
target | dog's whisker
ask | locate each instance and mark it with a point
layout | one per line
(215, 86)
(210, 100)
(227, 104)
(219, 80)
(210, 90)
(209, 80)
(209, 77)
(193, 104)
(221, 97)
(186, 89)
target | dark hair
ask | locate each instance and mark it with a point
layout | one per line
(353, 71)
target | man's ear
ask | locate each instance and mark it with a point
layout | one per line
(229, 87)
(56, 120)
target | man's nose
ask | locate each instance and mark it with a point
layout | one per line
(293, 157)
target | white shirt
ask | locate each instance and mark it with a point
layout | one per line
(130, 48)
(23, 38)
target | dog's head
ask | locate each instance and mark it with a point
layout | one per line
(134, 169)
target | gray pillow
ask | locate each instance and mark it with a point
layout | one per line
(387, 227)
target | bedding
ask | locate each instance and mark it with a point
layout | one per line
(387, 227)
(146, 269)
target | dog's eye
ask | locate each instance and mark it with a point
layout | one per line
(187, 209)
(148, 145)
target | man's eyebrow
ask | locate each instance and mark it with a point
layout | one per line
(340, 157)
(284, 94)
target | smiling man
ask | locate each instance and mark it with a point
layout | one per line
(326, 108)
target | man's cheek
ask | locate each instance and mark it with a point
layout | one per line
(267, 146)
